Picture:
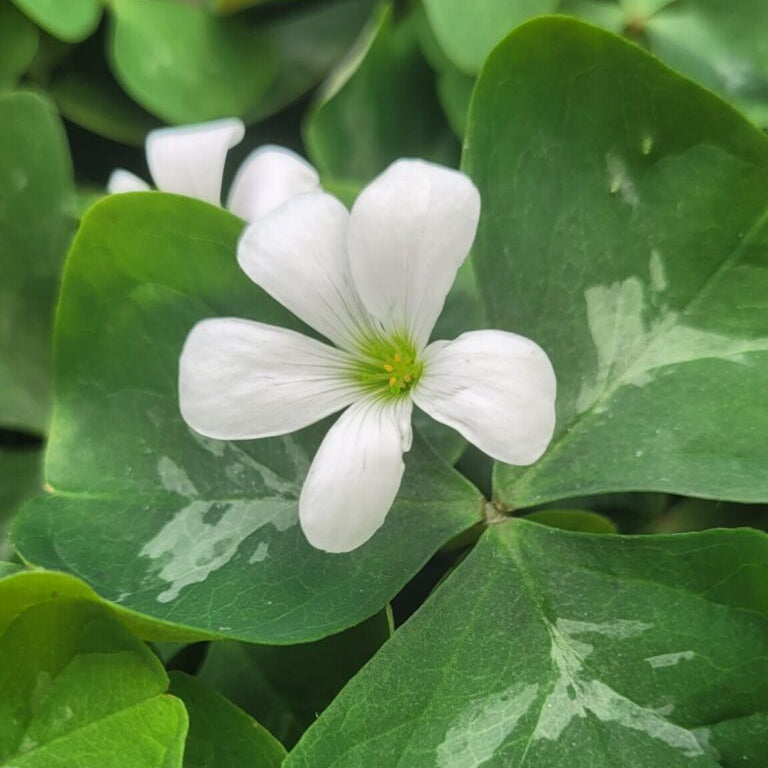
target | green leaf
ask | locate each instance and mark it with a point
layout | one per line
(195, 532)
(83, 691)
(18, 44)
(573, 520)
(220, 734)
(286, 687)
(698, 514)
(186, 65)
(86, 94)
(722, 49)
(20, 591)
(566, 650)
(467, 31)
(6, 569)
(69, 20)
(624, 230)
(380, 105)
(20, 478)
(233, 6)
(740, 743)
(36, 200)
(308, 40)
(454, 89)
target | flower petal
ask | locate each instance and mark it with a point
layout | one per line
(297, 254)
(121, 180)
(355, 474)
(496, 388)
(267, 178)
(409, 232)
(240, 380)
(190, 160)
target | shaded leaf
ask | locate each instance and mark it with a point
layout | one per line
(18, 44)
(286, 687)
(220, 734)
(36, 223)
(380, 105)
(20, 477)
(573, 520)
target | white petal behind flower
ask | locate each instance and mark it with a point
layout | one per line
(189, 160)
(267, 178)
(373, 282)
(121, 180)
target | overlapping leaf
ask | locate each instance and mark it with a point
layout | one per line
(286, 687)
(624, 229)
(69, 20)
(36, 223)
(82, 691)
(18, 44)
(379, 107)
(186, 65)
(220, 734)
(569, 650)
(198, 533)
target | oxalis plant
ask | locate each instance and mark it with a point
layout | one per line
(383, 385)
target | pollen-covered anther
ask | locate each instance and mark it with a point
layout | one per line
(392, 366)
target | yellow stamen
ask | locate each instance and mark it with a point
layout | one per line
(397, 358)
(393, 381)
(389, 368)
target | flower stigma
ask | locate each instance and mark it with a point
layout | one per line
(389, 366)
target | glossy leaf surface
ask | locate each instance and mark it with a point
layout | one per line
(624, 230)
(208, 531)
(585, 650)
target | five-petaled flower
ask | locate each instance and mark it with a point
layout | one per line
(189, 160)
(373, 281)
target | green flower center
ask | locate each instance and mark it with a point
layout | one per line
(389, 366)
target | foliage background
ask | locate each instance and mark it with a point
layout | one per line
(158, 605)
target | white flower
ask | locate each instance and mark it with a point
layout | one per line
(190, 161)
(373, 282)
